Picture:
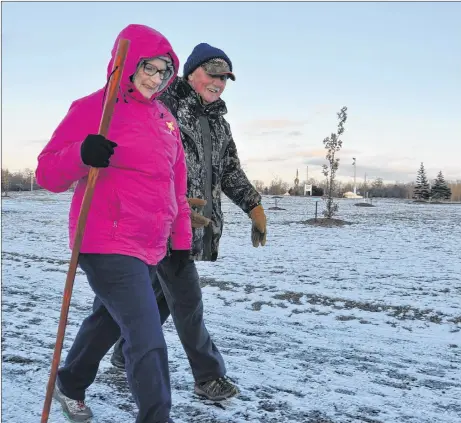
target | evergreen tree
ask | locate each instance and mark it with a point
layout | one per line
(422, 189)
(440, 189)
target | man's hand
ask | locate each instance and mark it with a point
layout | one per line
(258, 229)
(197, 220)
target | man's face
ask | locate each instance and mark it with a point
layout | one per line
(209, 87)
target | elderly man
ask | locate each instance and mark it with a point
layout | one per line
(213, 167)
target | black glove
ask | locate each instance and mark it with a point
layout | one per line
(179, 260)
(96, 150)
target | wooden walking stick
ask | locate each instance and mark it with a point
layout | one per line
(113, 87)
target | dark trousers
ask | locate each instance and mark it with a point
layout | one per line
(182, 296)
(124, 305)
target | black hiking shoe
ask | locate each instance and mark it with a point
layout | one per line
(118, 359)
(216, 390)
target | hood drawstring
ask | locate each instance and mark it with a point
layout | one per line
(107, 85)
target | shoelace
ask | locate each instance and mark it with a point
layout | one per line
(81, 405)
(76, 405)
(218, 385)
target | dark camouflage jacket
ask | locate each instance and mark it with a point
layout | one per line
(213, 165)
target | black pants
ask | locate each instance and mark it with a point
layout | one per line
(182, 296)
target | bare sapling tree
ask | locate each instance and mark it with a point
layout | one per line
(333, 144)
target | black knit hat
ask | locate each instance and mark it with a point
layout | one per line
(201, 54)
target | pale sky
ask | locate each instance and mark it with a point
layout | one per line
(396, 66)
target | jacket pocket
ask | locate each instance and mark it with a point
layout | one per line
(189, 140)
(223, 149)
(187, 131)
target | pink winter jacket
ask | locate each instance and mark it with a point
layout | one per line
(140, 199)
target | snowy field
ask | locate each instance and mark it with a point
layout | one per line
(323, 325)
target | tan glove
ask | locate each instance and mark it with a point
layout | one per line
(197, 220)
(258, 229)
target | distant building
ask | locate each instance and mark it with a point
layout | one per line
(350, 194)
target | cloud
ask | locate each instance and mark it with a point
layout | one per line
(286, 156)
(34, 142)
(279, 133)
(266, 133)
(381, 166)
(260, 124)
(294, 152)
(274, 127)
(387, 173)
(390, 169)
(315, 161)
(293, 145)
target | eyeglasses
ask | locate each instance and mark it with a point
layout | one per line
(151, 70)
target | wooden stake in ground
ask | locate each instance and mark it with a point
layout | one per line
(113, 87)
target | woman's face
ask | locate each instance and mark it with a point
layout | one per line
(149, 77)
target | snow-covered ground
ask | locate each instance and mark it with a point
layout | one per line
(325, 325)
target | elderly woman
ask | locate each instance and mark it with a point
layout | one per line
(139, 203)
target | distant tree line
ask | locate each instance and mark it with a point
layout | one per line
(21, 180)
(375, 188)
(439, 189)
